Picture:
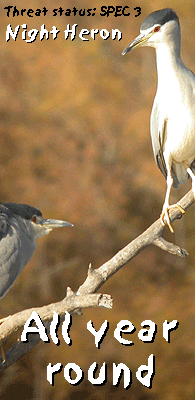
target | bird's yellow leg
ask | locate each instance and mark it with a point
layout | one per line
(166, 207)
(193, 179)
(165, 215)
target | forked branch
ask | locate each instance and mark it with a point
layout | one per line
(85, 296)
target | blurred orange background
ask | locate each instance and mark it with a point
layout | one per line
(75, 142)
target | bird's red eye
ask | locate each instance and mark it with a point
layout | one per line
(157, 29)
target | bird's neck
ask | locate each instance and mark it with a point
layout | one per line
(169, 63)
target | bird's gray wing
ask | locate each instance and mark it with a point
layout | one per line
(15, 251)
(158, 128)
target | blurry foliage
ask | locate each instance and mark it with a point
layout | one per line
(74, 120)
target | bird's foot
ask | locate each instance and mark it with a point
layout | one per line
(164, 218)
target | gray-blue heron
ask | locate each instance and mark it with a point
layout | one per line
(172, 122)
(20, 226)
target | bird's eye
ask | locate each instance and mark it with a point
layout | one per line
(34, 218)
(157, 29)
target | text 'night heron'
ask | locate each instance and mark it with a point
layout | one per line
(172, 123)
(20, 226)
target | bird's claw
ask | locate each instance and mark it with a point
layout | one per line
(164, 218)
(165, 215)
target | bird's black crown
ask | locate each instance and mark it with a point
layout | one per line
(159, 17)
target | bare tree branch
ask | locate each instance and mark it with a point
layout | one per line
(152, 235)
(95, 279)
(71, 303)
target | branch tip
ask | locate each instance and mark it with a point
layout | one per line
(106, 301)
(90, 269)
(170, 247)
(69, 292)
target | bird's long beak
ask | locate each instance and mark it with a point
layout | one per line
(54, 223)
(138, 41)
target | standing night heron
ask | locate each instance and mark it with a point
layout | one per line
(172, 122)
(20, 226)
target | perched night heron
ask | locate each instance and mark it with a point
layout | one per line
(172, 121)
(20, 226)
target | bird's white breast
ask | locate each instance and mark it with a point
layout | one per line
(176, 104)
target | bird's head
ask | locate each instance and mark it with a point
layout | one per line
(30, 220)
(41, 226)
(159, 27)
